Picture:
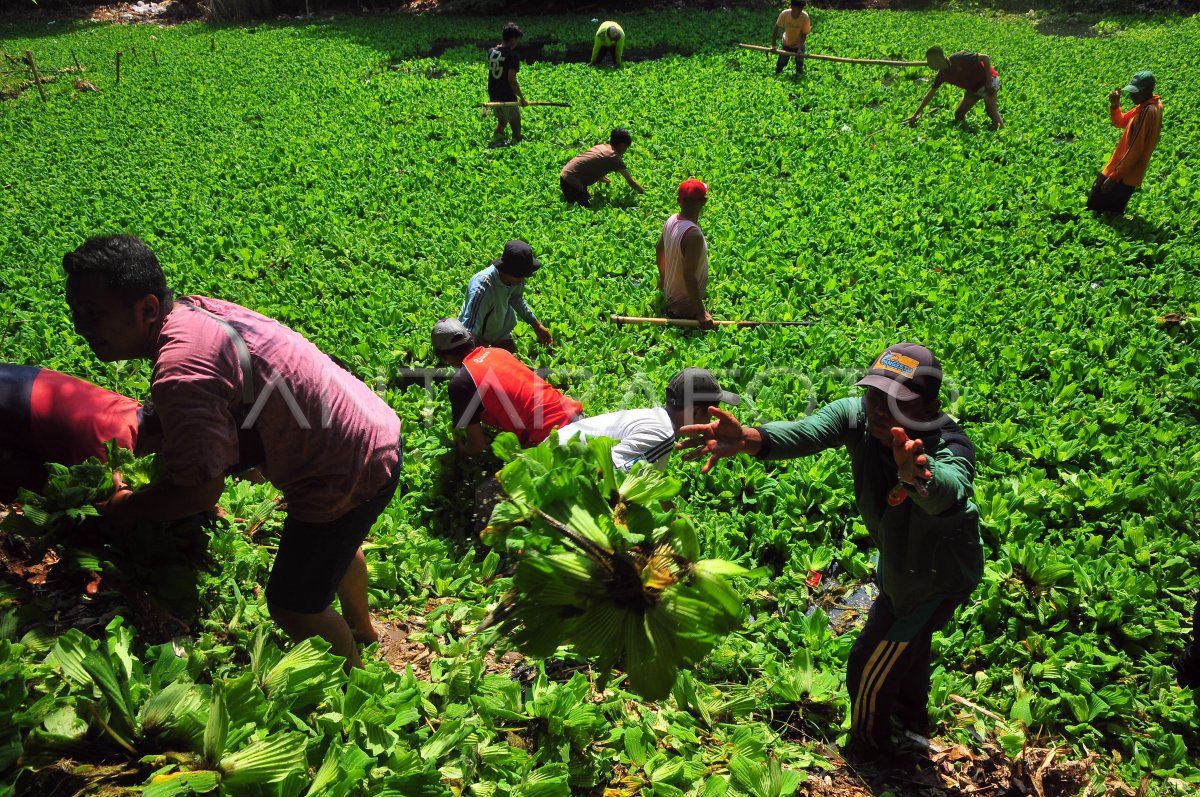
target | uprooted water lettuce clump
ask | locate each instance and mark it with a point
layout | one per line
(607, 566)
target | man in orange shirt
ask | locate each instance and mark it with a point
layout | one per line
(1123, 173)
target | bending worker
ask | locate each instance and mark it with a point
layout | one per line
(610, 40)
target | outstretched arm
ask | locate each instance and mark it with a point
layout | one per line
(634, 184)
(912, 120)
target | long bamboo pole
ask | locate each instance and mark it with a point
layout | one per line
(838, 59)
(518, 105)
(693, 323)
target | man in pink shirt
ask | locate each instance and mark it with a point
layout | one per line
(234, 390)
(46, 416)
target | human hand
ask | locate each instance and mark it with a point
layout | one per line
(1114, 98)
(706, 321)
(524, 103)
(724, 437)
(543, 335)
(911, 462)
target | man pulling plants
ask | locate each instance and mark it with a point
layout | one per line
(649, 435)
(594, 166)
(913, 469)
(971, 72)
(503, 65)
(46, 416)
(234, 389)
(1140, 129)
(682, 254)
(610, 41)
(494, 387)
(496, 298)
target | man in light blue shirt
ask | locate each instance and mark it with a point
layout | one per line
(496, 298)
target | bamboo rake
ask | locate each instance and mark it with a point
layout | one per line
(518, 105)
(815, 57)
(693, 323)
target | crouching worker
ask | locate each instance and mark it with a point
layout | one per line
(649, 435)
(46, 417)
(234, 389)
(913, 469)
(610, 41)
(594, 166)
(493, 387)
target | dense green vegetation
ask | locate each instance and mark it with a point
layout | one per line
(329, 173)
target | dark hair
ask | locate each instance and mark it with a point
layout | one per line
(800, 3)
(620, 136)
(511, 31)
(128, 266)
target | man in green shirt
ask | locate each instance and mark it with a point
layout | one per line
(610, 40)
(913, 469)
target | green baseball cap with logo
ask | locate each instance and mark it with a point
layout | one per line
(1142, 81)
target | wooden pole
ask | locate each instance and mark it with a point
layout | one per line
(693, 323)
(78, 68)
(37, 79)
(518, 105)
(154, 55)
(118, 68)
(815, 57)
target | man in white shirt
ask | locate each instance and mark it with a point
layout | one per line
(649, 435)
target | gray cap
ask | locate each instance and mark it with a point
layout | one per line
(697, 386)
(449, 333)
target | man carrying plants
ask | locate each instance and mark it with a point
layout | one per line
(594, 166)
(796, 26)
(913, 469)
(1140, 127)
(46, 416)
(233, 390)
(496, 297)
(971, 72)
(491, 386)
(649, 435)
(610, 40)
(682, 255)
(503, 65)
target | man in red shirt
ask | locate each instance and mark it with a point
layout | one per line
(234, 389)
(1140, 129)
(46, 416)
(971, 72)
(494, 387)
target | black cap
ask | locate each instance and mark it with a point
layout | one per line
(905, 372)
(697, 386)
(517, 260)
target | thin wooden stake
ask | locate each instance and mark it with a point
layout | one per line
(37, 79)
(154, 55)
(118, 68)
(78, 68)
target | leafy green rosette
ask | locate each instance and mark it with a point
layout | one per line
(606, 565)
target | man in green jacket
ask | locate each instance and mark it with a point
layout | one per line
(610, 40)
(913, 469)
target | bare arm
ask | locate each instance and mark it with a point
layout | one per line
(512, 83)
(161, 502)
(660, 254)
(774, 36)
(912, 120)
(634, 184)
(692, 250)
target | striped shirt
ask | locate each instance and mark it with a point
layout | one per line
(642, 435)
(491, 308)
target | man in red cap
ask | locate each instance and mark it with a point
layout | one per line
(46, 416)
(913, 469)
(682, 256)
(494, 387)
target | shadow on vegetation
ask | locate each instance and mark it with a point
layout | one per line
(1133, 227)
(534, 51)
(465, 492)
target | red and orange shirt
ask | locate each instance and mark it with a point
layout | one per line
(1142, 126)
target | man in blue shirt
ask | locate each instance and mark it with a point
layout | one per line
(496, 298)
